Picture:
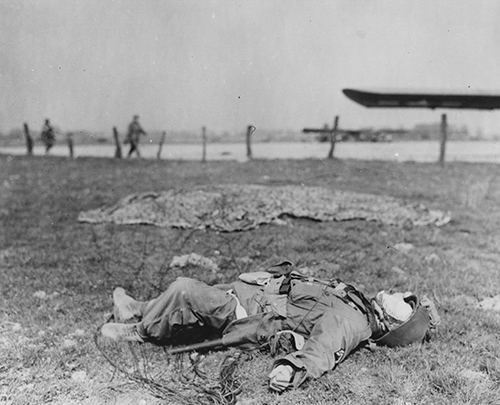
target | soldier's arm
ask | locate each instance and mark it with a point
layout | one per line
(332, 338)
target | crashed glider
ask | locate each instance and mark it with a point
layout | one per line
(424, 99)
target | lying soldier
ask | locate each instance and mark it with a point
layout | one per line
(325, 320)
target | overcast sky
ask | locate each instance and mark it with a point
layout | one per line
(92, 64)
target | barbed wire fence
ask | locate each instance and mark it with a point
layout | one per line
(199, 379)
(181, 378)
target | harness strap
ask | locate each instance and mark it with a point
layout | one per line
(346, 292)
(350, 294)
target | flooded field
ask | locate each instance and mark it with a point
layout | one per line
(427, 151)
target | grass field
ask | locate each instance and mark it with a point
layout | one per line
(57, 275)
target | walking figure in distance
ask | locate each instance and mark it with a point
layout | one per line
(133, 136)
(48, 136)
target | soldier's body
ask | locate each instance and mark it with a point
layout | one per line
(328, 320)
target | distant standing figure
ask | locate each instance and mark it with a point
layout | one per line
(48, 136)
(133, 135)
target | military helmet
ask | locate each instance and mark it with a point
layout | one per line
(414, 329)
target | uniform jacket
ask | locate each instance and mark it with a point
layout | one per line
(333, 327)
(134, 132)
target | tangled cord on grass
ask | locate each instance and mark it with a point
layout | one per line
(167, 377)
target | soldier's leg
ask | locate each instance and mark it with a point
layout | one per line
(126, 308)
(188, 311)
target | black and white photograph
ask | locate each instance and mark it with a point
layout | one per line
(249, 202)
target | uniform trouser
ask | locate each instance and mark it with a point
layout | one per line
(134, 146)
(188, 311)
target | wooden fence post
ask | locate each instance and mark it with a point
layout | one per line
(250, 130)
(204, 140)
(118, 149)
(333, 137)
(444, 136)
(69, 140)
(160, 146)
(29, 140)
